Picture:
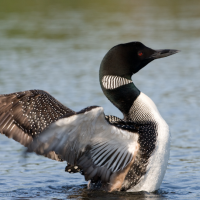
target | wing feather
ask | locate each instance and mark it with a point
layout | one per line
(115, 161)
(92, 173)
(24, 115)
(87, 139)
(118, 160)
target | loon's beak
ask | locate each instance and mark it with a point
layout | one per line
(161, 53)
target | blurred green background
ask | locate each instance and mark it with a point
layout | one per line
(106, 20)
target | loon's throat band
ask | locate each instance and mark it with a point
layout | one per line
(113, 82)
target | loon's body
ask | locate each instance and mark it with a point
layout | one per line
(114, 154)
(154, 139)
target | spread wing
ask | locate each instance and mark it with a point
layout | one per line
(24, 115)
(86, 139)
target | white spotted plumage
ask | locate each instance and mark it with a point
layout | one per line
(144, 109)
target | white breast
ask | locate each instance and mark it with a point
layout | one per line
(151, 181)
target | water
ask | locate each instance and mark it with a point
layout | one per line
(57, 46)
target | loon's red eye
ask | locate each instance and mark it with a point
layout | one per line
(140, 53)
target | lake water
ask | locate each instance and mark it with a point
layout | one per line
(57, 46)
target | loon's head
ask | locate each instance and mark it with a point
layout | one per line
(117, 67)
(124, 60)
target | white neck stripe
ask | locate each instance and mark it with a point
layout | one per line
(113, 82)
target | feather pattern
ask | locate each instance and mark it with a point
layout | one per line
(87, 139)
(113, 82)
(24, 115)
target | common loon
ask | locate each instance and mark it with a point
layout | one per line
(129, 154)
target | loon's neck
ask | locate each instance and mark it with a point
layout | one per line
(122, 97)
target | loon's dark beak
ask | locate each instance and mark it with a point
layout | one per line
(152, 55)
(161, 53)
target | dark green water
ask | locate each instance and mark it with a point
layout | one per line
(58, 45)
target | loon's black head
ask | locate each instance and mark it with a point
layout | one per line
(117, 67)
(124, 60)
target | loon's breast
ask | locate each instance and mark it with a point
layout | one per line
(148, 170)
